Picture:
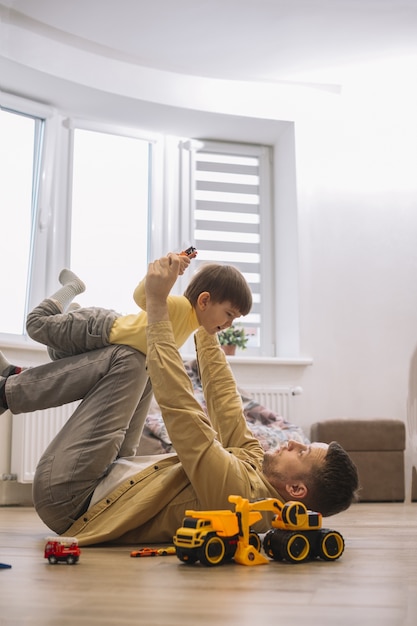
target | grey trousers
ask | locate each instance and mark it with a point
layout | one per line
(74, 332)
(115, 391)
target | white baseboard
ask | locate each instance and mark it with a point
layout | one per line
(13, 493)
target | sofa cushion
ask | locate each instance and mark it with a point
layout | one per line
(376, 446)
(353, 434)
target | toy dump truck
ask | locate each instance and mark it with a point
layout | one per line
(62, 549)
(213, 537)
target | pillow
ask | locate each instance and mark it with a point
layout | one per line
(268, 427)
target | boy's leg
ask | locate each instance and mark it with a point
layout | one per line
(74, 332)
(6, 368)
(66, 336)
(111, 381)
(72, 286)
(54, 355)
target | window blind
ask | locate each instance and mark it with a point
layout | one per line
(227, 184)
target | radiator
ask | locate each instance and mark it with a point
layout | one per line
(31, 434)
(277, 399)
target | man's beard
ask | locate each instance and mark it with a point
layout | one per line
(270, 470)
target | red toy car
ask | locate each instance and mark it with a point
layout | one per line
(62, 549)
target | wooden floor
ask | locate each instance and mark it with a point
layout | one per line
(373, 583)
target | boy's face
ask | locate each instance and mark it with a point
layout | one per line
(214, 316)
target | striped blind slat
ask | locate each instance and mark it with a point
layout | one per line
(227, 218)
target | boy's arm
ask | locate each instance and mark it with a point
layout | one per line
(139, 295)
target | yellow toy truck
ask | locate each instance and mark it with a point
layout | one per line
(213, 537)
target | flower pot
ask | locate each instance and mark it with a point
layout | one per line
(229, 350)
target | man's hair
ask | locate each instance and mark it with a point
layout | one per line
(334, 484)
(224, 283)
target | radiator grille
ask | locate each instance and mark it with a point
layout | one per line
(31, 434)
(277, 399)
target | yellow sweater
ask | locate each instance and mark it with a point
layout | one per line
(130, 330)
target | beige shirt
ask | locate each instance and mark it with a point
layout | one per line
(219, 456)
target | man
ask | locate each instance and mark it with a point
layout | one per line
(89, 485)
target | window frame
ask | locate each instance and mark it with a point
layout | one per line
(171, 202)
(266, 227)
(37, 255)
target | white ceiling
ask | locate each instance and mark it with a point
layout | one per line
(269, 43)
(256, 40)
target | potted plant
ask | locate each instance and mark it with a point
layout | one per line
(232, 338)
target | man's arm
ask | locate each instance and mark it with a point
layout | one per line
(160, 279)
(213, 471)
(139, 295)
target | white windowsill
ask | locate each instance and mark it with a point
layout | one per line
(20, 342)
(25, 343)
(263, 360)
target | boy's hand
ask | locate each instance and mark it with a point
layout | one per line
(160, 279)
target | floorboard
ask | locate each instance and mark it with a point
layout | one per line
(373, 583)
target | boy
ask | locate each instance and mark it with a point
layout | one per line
(215, 296)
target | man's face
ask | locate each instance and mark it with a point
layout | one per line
(292, 462)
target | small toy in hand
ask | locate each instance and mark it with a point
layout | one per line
(191, 252)
(153, 551)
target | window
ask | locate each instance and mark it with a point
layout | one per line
(109, 217)
(20, 152)
(104, 200)
(231, 210)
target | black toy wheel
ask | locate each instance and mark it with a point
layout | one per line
(52, 559)
(268, 549)
(331, 545)
(213, 551)
(282, 545)
(255, 540)
(186, 557)
(296, 547)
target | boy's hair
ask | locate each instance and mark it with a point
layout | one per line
(224, 283)
(333, 486)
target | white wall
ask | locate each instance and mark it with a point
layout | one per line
(358, 233)
(356, 158)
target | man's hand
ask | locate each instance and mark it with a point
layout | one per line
(184, 263)
(160, 279)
